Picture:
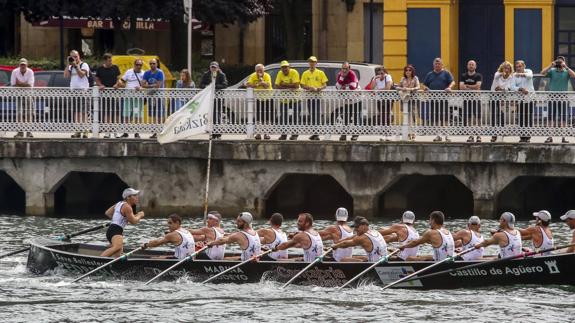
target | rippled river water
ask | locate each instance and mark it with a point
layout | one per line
(28, 298)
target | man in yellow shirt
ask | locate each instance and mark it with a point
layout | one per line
(288, 79)
(260, 80)
(314, 80)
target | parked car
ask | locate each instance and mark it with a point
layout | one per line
(6, 73)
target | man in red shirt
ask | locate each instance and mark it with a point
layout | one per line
(351, 113)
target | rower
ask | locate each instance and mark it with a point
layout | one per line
(437, 236)
(540, 234)
(370, 240)
(121, 214)
(508, 239)
(272, 237)
(468, 238)
(337, 232)
(178, 236)
(210, 233)
(246, 238)
(569, 219)
(307, 238)
(404, 233)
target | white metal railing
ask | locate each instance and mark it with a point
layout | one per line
(277, 112)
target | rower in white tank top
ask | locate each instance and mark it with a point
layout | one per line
(378, 246)
(117, 218)
(411, 235)
(513, 247)
(339, 254)
(280, 237)
(477, 253)
(216, 252)
(254, 246)
(446, 248)
(187, 246)
(546, 243)
(315, 248)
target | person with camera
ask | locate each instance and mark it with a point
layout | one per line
(133, 107)
(78, 73)
(559, 74)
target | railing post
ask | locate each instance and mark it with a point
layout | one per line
(95, 111)
(250, 122)
(405, 119)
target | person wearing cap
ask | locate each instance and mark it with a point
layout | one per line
(314, 80)
(437, 236)
(246, 238)
(370, 240)
(347, 80)
(260, 80)
(338, 232)
(177, 236)
(78, 72)
(288, 80)
(307, 239)
(272, 237)
(540, 234)
(468, 238)
(121, 214)
(508, 239)
(209, 233)
(569, 219)
(215, 73)
(403, 233)
(23, 77)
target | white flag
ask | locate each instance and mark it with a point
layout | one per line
(192, 119)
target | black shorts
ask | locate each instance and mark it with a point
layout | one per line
(113, 230)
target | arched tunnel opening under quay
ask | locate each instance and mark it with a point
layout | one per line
(527, 194)
(423, 194)
(87, 194)
(12, 196)
(319, 195)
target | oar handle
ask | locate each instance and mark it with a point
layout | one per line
(189, 257)
(75, 234)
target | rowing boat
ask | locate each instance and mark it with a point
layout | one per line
(48, 256)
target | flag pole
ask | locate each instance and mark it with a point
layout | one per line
(208, 179)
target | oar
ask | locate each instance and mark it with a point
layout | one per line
(64, 237)
(125, 256)
(190, 257)
(449, 258)
(236, 266)
(317, 259)
(381, 260)
(491, 262)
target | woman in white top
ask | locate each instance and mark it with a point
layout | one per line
(382, 81)
(409, 83)
(502, 81)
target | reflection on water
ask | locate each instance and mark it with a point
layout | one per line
(51, 298)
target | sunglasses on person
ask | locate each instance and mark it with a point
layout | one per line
(137, 64)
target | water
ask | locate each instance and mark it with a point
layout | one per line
(52, 298)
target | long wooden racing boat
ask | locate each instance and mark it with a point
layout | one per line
(77, 258)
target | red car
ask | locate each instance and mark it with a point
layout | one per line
(6, 72)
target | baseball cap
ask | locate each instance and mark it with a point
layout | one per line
(246, 217)
(214, 64)
(312, 58)
(23, 61)
(544, 215)
(129, 192)
(569, 215)
(284, 63)
(474, 220)
(408, 217)
(341, 214)
(359, 220)
(215, 215)
(509, 218)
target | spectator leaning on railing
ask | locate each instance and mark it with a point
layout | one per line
(409, 83)
(502, 81)
(185, 82)
(351, 111)
(523, 82)
(23, 77)
(106, 77)
(559, 74)
(438, 79)
(471, 81)
(133, 107)
(288, 79)
(260, 80)
(153, 80)
(313, 80)
(382, 81)
(78, 72)
(215, 73)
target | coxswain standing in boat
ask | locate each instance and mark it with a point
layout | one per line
(338, 232)
(246, 238)
(508, 239)
(121, 214)
(438, 237)
(307, 238)
(468, 238)
(211, 232)
(177, 236)
(370, 240)
(403, 233)
(272, 237)
(569, 219)
(540, 234)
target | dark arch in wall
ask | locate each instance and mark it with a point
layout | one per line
(426, 193)
(319, 195)
(12, 196)
(527, 194)
(86, 194)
